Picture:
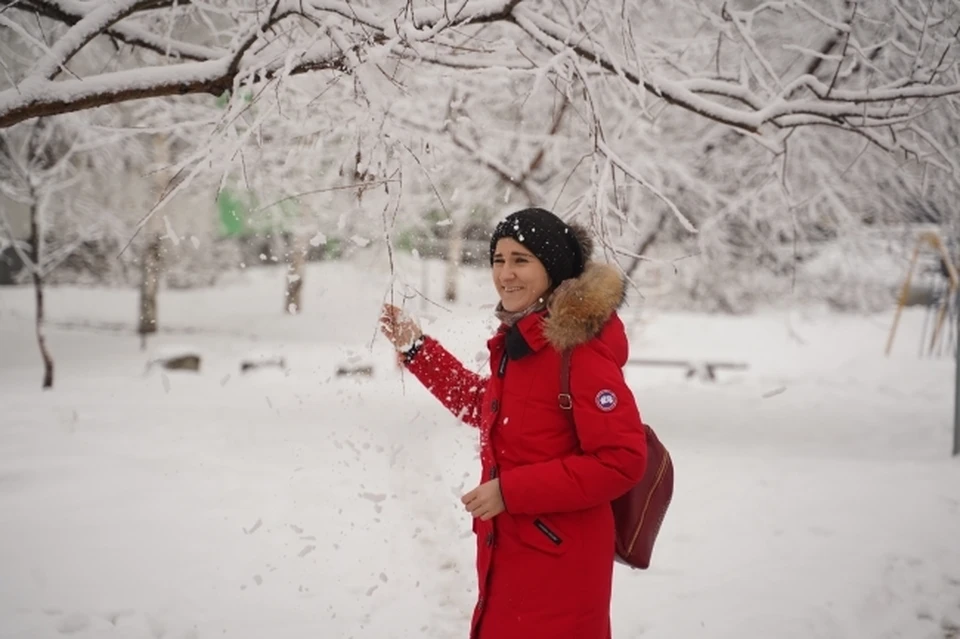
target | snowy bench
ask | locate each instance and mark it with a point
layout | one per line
(176, 360)
(258, 360)
(705, 370)
(355, 370)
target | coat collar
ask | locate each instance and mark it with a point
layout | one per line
(523, 338)
(526, 336)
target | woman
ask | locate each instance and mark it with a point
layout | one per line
(541, 514)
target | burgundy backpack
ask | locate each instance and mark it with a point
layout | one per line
(638, 513)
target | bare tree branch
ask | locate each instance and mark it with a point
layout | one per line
(70, 12)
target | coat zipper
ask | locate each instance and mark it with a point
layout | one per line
(552, 536)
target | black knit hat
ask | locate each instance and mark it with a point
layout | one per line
(556, 244)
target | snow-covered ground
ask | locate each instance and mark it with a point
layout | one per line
(815, 493)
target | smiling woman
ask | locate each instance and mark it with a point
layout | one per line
(542, 515)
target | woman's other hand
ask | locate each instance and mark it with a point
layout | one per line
(398, 327)
(485, 501)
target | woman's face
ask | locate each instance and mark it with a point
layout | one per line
(519, 276)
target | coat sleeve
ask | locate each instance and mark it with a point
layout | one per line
(457, 388)
(612, 440)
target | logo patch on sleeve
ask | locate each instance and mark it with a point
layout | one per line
(606, 400)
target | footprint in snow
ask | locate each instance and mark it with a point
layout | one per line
(114, 617)
(74, 622)
(157, 628)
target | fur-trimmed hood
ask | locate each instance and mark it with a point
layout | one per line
(580, 307)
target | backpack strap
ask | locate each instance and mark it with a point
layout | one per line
(565, 399)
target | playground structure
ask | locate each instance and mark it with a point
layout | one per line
(945, 302)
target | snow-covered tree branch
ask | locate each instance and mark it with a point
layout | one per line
(915, 64)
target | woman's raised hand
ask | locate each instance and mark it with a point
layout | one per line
(398, 327)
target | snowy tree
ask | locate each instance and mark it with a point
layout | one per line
(45, 165)
(750, 129)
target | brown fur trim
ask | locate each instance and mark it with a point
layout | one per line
(582, 236)
(580, 307)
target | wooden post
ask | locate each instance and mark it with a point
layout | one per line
(956, 393)
(904, 292)
(937, 244)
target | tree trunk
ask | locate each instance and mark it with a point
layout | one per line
(151, 261)
(36, 246)
(150, 265)
(296, 268)
(453, 263)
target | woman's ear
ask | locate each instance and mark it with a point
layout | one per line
(547, 294)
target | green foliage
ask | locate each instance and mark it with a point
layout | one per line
(241, 215)
(232, 213)
(334, 248)
(223, 99)
(405, 240)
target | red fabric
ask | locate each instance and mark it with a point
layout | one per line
(545, 566)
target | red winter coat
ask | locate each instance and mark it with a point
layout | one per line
(545, 565)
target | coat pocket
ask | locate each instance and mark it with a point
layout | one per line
(542, 534)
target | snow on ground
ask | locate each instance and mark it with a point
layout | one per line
(815, 494)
